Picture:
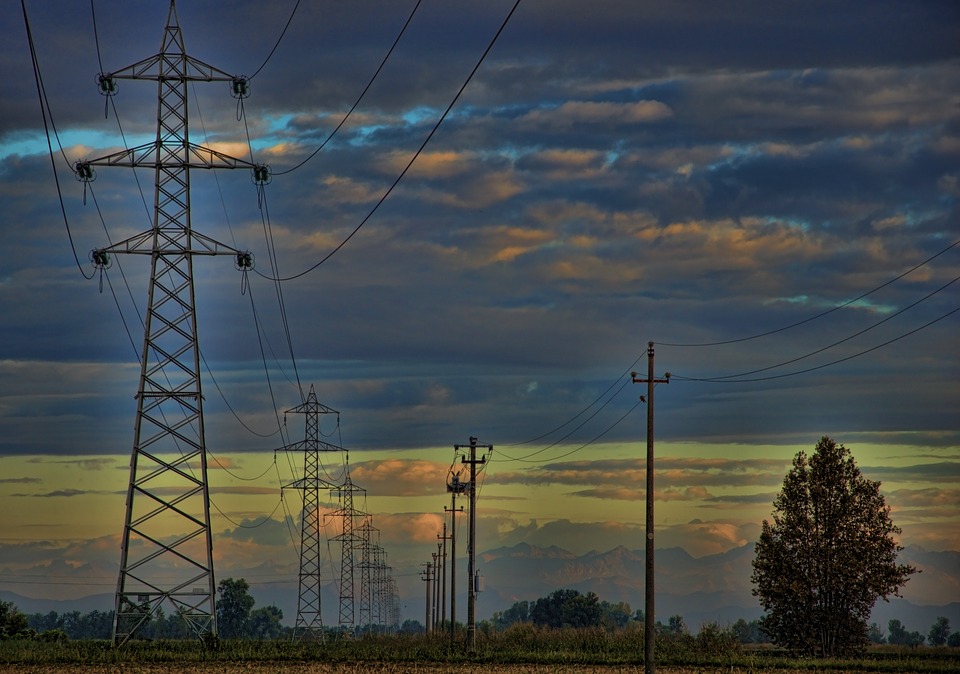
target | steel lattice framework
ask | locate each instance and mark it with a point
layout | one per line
(366, 532)
(348, 543)
(309, 623)
(166, 548)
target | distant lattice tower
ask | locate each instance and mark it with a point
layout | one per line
(348, 542)
(366, 533)
(166, 547)
(309, 623)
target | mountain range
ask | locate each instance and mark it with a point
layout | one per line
(713, 588)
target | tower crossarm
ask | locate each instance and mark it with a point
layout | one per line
(158, 67)
(157, 154)
(145, 244)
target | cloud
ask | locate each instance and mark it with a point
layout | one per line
(89, 463)
(573, 113)
(400, 477)
(66, 493)
(19, 480)
(695, 473)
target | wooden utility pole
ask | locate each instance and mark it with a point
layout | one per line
(649, 624)
(428, 581)
(443, 574)
(455, 487)
(472, 551)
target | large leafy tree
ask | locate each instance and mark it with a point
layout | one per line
(567, 608)
(234, 604)
(827, 557)
(12, 620)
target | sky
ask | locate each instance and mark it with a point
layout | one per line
(768, 193)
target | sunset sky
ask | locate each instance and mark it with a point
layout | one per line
(768, 192)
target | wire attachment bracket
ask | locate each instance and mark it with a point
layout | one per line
(240, 87)
(84, 172)
(101, 259)
(262, 175)
(107, 84)
(244, 261)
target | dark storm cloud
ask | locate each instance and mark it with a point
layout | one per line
(20, 480)
(633, 171)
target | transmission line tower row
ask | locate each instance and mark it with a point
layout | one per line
(375, 602)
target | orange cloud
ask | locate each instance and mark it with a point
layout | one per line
(400, 477)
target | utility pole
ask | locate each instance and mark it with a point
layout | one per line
(443, 574)
(428, 582)
(436, 588)
(473, 462)
(455, 486)
(649, 626)
(166, 549)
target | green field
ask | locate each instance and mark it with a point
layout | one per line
(515, 650)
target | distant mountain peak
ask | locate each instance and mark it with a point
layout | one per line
(527, 551)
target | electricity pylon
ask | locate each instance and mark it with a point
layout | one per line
(309, 623)
(166, 548)
(366, 531)
(348, 540)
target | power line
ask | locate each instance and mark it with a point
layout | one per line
(360, 97)
(44, 112)
(279, 39)
(845, 339)
(820, 367)
(412, 160)
(582, 424)
(822, 314)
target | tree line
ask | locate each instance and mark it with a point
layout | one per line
(236, 619)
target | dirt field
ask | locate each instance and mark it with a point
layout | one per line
(365, 668)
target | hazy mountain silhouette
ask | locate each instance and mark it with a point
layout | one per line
(701, 589)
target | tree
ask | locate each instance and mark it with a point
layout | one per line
(939, 631)
(12, 621)
(264, 623)
(615, 616)
(875, 634)
(234, 604)
(827, 557)
(518, 613)
(899, 636)
(567, 608)
(676, 625)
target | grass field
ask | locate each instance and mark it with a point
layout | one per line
(525, 650)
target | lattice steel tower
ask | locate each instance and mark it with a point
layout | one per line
(348, 543)
(166, 549)
(309, 623)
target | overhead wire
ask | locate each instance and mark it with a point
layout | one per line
(824, 365)
(44, 113)
(359, 98)
(279, 39)
(578, 414)
(577, 428)
(246, 526)
(821, 314)
(838, 342)
(406, 168)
